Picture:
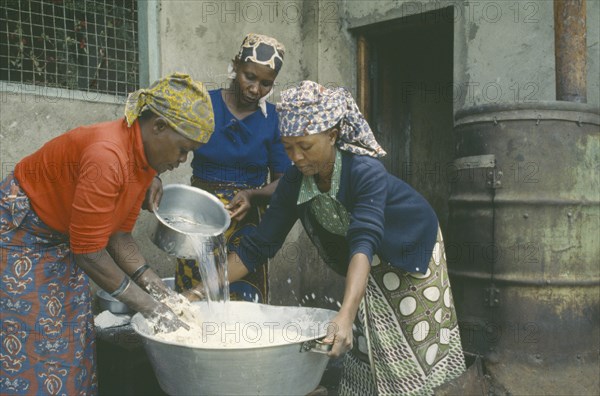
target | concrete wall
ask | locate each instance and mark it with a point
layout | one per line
(29, 118)
(503, 52)
(196, 37)
(201, 37)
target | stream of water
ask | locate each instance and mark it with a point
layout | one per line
(211, 253)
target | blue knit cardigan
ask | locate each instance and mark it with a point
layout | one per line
(387, 217)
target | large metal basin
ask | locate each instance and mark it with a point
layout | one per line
(186, 210)
(294, 367)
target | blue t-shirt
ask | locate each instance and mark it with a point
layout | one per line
(240, 152)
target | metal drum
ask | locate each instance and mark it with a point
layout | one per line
(523, 243)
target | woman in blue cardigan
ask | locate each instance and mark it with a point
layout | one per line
(374, 229)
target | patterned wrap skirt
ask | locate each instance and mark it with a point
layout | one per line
(253, 287)
(47, 337)
(407, 342)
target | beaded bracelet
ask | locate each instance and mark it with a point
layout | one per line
(122, 287)
(138, 272)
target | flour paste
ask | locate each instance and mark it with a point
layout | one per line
(238, 325)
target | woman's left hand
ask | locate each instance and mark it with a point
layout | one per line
(339, 333)
(239, 205)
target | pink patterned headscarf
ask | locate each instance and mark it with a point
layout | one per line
(311, 108)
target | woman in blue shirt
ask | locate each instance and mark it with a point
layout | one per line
(375, 230)
(243, 152)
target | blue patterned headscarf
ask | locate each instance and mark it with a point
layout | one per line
(311, 108)
(263, 50)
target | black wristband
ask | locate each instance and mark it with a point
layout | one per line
(122, 287)
(138, 272)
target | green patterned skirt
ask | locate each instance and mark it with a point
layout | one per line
(407, 342)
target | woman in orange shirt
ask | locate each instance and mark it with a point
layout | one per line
(67, 213)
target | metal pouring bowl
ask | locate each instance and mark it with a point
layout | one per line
(186, 210)
(290, 368)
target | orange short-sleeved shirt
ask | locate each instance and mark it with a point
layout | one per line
(89, 182)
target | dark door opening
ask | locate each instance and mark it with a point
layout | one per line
(406, 91)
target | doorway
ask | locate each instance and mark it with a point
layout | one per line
(405, 80)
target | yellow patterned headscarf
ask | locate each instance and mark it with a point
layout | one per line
(183, 102)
